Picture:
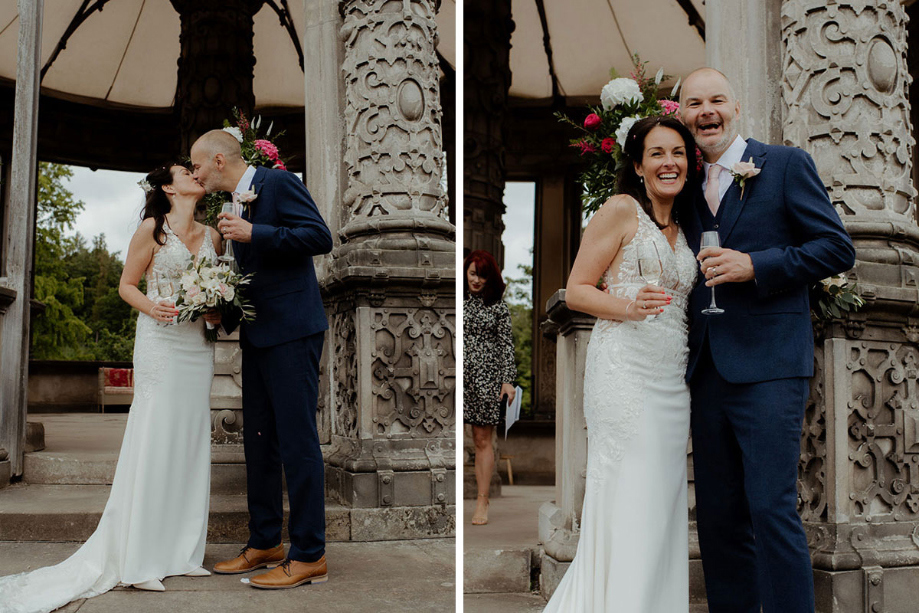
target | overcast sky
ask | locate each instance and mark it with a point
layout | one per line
(113, 202)
(520, 200)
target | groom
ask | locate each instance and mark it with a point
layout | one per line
(275, 239)
(749, 367)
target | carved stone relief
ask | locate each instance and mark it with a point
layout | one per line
(394, 152)
(845, 83)
(414, 373)
(344, 375)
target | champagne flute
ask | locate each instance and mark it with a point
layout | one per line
(227, 257)
(650, 268)
(711, 239)
(166, 289)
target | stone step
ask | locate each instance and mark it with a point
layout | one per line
(71, 513)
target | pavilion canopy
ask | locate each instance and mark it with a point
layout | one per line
(589, 37)
(126, 54)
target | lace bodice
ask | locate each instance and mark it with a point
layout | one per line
(172, 259)
(623, 355)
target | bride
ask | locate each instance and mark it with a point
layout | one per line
(155, 521)
(633, 551)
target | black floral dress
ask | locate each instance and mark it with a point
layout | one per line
(488, 360)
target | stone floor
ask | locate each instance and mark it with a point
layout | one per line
(387, 576)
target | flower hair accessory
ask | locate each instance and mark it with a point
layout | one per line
(742, 171)
(145, 185)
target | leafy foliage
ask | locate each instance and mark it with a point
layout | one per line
(606, 126)
(520, 303)
(84, 317)
(834, 296)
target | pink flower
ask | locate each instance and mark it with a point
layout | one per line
(592, 122)
(585, 147)
(194, 291)
(280, 165)
(268, 149)
(608, 144)
(670, 107)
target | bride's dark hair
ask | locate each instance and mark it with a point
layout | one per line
(630, 183)
(157, 205)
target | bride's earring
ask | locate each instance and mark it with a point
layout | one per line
(642, 179)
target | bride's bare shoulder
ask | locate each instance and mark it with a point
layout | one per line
(618, 211)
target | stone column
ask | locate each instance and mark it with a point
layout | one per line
(486, 79)
(845, 82)
(756, 73)
(390, 285)
(559, 520)
(216, 63)
(19, 239)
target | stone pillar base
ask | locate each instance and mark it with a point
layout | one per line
(892, 590)
(400, 523)
(551, 573)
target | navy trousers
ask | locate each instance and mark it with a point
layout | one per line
(280, 393)
(746, 444)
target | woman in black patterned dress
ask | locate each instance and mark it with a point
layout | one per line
(489, 369)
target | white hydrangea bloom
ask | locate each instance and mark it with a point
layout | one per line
(619, 91)
(623, 130)
(236, 132)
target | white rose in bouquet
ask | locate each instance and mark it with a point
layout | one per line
(622, 131)
(189, 280)
(619, 91)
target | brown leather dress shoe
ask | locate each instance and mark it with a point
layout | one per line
(250, 558)
(291, 574)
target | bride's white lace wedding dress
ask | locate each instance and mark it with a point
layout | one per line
(155, 521)
(632, 554)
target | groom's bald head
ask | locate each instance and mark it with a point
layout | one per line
(218, 141)
(217, 161)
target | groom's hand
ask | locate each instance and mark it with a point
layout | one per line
(721, 265)
(234, 228)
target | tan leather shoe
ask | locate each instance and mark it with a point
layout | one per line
(291, 574)
(250, 558)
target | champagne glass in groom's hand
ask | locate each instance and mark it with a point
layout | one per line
(711, 239)
(228, 207)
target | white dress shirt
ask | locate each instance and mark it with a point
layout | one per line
(245, 181)
(731, 156)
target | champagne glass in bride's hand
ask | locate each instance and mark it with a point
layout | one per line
(167, 290)
(228, 207)
(711, 239)
(650, 268)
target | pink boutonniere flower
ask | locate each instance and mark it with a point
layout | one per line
(742, 171)
(245, 198)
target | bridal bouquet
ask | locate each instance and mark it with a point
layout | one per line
(623, 101)
(206, 286)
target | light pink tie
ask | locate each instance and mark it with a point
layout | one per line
(711, 189)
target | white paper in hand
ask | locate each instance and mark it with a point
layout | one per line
(512, 412)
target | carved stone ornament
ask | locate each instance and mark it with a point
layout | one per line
(845, 86)
(394, 150)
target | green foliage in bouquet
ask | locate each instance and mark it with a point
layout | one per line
(623, 101)
(257, 150)
(834, 296)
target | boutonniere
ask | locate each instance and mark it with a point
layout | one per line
(742, 171)
(245, 198)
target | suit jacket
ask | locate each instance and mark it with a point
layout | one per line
(788, 226)
(287, 231)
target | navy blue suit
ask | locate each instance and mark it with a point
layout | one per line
(749, 371)
(280, 370)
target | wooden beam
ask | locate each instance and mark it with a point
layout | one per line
(14, 352)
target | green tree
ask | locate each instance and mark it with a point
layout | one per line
(520, 302)
(57, 333)
(84, 317)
